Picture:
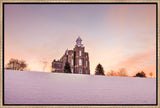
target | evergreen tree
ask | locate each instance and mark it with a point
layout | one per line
(140, 74)
(67, 68)
(99, 70)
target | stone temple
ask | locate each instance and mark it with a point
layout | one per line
(77, 58)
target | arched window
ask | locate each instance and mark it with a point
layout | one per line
(80, 53)
(80, 62)
(86, 63)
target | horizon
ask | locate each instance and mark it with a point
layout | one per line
(114, 35)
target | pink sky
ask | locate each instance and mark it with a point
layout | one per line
(117, 36)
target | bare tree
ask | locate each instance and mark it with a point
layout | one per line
(45, 63)
(122, 72)
(16, 64)
(112, 73)
(151, 74)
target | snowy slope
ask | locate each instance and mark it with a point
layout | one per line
(22, 87)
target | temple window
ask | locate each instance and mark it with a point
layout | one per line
(80, 62)
(80, 53)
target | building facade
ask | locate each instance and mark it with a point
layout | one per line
(77, 58)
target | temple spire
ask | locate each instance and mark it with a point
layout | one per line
(78, 42)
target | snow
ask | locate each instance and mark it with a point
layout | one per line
(24, 87)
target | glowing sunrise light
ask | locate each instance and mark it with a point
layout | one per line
(117, 36)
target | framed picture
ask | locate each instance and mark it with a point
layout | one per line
(62, 53)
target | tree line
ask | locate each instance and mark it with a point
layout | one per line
(16, 64)
(122, 72)
(100, 71)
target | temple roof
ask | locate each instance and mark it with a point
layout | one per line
(78, 39)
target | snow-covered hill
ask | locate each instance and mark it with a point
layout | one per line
(22, 87)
